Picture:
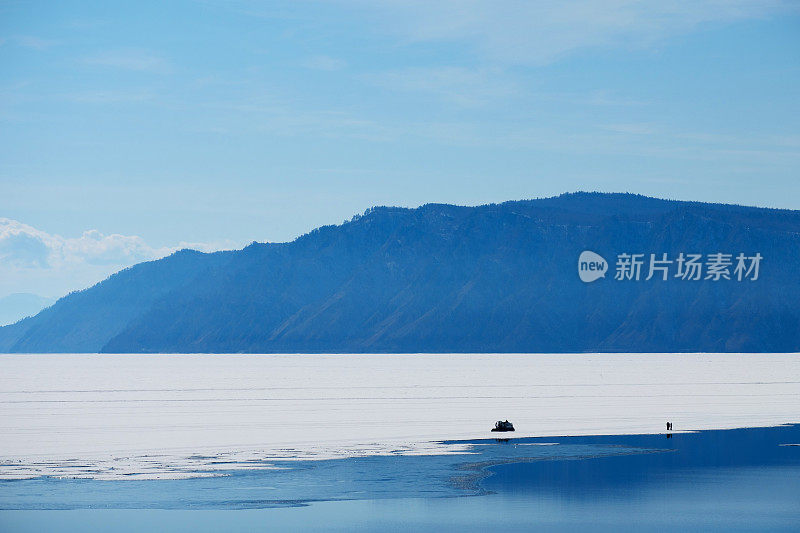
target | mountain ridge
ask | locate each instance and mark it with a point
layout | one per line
(443, 278)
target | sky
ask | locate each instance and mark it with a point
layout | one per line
(129, 130)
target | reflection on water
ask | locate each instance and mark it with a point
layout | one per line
(295, 483)
(721, 480)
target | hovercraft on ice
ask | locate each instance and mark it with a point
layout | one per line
(503, 425)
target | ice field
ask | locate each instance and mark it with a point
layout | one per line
(156, 416)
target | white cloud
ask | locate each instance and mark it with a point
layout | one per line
(32, 260)
(25, 246)
(532, 31)
(110, 97)
(631, 128)
(524, 32)
(128, 59)
(457, 84)
(326, 63)
(34, 43)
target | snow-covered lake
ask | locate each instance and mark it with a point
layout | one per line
(113, 416)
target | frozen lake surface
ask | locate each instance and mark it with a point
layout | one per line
(173, 416)
(718, 480)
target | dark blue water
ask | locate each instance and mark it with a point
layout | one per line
(742, 480)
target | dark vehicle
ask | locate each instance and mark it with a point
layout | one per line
(503, 426)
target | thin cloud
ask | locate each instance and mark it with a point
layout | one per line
(31, 42)
(457, 84)
(110, 97)
(631, 128)
(520, 32)
(326, 63)
(135, 60)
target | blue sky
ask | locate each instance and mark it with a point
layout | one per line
(129, 129)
